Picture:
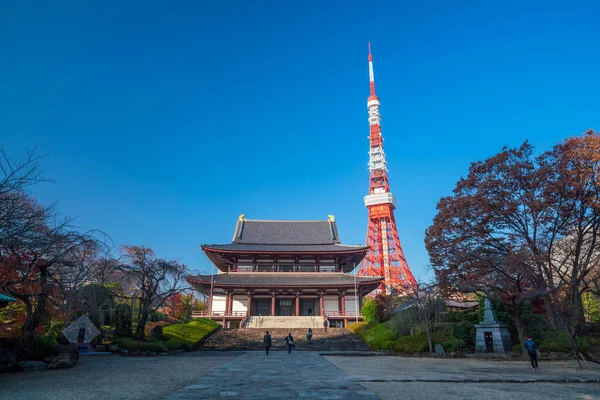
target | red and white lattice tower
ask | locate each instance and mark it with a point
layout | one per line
(385, 258)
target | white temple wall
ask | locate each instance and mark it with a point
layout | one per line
(218, 303)
(240, 303)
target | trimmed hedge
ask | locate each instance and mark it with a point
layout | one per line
(132, 344)
(188, 336)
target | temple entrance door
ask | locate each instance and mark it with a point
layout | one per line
(307, 307)
(263, 306)
(285, 307)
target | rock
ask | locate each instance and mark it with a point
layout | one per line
(134, 352)
(62, 361)
(8, 361)
(152, 353)
(156, 333)
(144, 352)
(32, 366)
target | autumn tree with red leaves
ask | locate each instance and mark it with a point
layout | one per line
(520, 227)
(39, 256)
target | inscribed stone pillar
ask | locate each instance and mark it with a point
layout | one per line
(491, 335)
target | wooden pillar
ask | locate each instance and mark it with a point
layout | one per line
(249, 304)
(228, 303)
(343, 309)
(321, 304)
(297, 304)
(273, 304)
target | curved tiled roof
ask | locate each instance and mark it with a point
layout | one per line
(264, 232)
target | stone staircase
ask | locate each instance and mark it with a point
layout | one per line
(335, 339)
(278, 322)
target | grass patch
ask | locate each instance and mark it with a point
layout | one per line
(188, 336)
(132, 344)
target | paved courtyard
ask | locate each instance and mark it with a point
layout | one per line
(252, 375)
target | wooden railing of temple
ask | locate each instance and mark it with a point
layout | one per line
(341, 314)
(207, 314)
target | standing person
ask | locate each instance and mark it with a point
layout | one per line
(267, 341)
(532, 350)
(325, 324)
(289, 340)
(309, 335)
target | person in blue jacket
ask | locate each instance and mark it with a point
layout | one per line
(532, 350)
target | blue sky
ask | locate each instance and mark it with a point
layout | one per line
(163, 121)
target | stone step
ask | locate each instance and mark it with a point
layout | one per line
(335, 339)
(285, 322)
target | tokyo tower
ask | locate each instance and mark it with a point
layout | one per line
(385, 258)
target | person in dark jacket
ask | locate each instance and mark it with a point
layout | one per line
(309, 335)
(289, 340)
(325, 324)
(267, 341)
(532, 350)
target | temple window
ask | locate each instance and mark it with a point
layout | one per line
(285, 268)
(307, 268)
(244, 268)
(264, 268)
(326, 268)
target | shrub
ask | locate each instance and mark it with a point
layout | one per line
(412, 344)
(559, 341)
(132, 344)
(54, 331)
(516, 348)
(369, 312)
(158, 316)
(44, 346)
(123, 320)
(465, 332)
(452, 344)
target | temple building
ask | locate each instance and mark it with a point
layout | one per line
(284, 268)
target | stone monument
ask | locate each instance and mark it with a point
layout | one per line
(491, 335)
(80, 333)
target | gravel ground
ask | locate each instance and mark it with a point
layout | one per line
(487, 391)
(114, 377)
(438, 369)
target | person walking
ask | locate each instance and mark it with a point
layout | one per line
(325, 324)
(289, 340)
(267, 341)
(532, 350)
(309, 335)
